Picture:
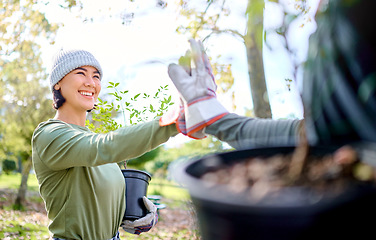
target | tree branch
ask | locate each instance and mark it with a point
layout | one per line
(225, 31)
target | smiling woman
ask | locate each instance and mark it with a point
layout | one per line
(77, 171)
(75, 69)
(86, 85)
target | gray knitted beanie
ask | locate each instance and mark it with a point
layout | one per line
(67, 60)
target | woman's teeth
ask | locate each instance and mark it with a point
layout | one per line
(86, 93)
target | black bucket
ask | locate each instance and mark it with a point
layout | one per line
(295, 215)
(136, 185)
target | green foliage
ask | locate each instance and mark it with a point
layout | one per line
(12, 181)
(192, 149)
(167, 189)
(140, 161)
(13, 228)
(104, 116)
(8, 166)
(23, 92)
(134, 109)
(223, 76)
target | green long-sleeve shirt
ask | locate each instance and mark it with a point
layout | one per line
(79, 180)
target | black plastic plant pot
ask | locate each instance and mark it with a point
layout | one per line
(136, 185)
(294, 214)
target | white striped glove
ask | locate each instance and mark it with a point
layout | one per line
(143, 224)
(197, 89)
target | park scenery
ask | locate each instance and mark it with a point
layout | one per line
(311, 63)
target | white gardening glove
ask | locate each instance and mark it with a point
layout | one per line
(197, 88)
(143, 224)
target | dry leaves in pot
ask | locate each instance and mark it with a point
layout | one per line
(269, 179)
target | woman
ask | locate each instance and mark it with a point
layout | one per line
(79, 180)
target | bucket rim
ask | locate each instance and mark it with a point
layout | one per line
(136, 173)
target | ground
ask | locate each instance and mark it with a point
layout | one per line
(176, 221)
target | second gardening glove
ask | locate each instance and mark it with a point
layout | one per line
(143, 224)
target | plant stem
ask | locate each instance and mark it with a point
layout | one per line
(121, 105)
(299, 156)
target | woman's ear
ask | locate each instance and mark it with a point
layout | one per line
(57, 87)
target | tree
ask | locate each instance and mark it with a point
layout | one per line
(253, 43)
(24, 89)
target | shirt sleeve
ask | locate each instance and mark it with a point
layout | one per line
(60, 145)
(243, 132)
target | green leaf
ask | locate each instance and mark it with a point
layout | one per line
(137, 95)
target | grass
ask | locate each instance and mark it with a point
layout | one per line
(13, 181)
(20, 225)
(167, 189)
(33, 225)
(157, 186)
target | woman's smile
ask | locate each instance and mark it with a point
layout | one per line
(86, 94)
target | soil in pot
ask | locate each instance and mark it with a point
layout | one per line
(263, 178)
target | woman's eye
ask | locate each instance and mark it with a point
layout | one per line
(81, 73)
(97, 77)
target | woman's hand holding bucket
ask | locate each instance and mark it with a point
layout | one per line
(143, 224)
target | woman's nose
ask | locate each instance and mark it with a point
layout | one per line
(90, 83)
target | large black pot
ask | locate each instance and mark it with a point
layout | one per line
(295, 215)
(136, 186)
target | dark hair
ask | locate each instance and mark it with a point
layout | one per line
(59, 100)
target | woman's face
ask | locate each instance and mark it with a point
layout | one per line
(81, 88)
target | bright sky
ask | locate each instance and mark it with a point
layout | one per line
(123, 49)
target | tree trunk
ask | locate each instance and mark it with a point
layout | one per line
(21, 196)
(253, 44)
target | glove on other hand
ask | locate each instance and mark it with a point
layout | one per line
(143, 224)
